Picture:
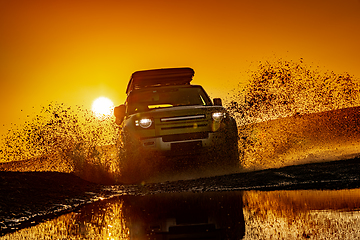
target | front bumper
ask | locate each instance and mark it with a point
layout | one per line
(181, 144)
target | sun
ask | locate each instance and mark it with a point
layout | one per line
(102, 107)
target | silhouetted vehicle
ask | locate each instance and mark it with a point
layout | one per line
(162, 216)
(165, 116)
(165, 216)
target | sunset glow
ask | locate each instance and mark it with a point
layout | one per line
(102, 107)
(71, 52)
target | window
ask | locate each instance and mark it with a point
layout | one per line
(145, 100)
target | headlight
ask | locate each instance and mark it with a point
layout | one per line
(144, 122)
(218, 116)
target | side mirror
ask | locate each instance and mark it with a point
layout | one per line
(119, 113)
(217, 102)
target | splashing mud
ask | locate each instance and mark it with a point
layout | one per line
(64, 139)
(284, 88)
(290, 113)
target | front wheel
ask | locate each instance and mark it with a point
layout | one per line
(136, 166)
(226, 150)
(132, 164)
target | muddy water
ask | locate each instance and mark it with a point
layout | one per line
(297, 214)
(288, 114)
(308, 138)
(302, 214)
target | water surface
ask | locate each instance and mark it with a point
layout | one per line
(297, 214)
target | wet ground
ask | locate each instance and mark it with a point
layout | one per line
(312, 201)
(288, 114)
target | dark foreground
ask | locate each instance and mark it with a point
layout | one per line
(28, 198)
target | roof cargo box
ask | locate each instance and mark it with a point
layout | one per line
(160, 77)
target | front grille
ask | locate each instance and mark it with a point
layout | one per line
(185, 136)
(184, 126)
(182, 118)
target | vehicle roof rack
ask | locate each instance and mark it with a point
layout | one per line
(160, 77)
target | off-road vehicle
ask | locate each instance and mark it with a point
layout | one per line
(166, 120)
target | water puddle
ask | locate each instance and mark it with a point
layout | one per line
(312, 214)
(288, 113)
(306, 214)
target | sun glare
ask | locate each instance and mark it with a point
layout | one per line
(102, 107)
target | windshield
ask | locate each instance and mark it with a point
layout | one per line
(141, 101)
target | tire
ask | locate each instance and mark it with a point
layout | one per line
(233, 148)
(227, 151)
(136, 166)
(130, 162)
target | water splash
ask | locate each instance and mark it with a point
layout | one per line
(276, 112)
(285, 88)
(72, 139)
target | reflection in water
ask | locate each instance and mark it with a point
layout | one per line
(216, 215)
(302, 214)
(254, 215)
(101, 220)
(185, 215)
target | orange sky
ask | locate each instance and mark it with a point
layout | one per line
(73, 51)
